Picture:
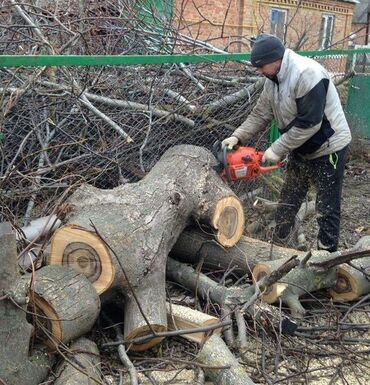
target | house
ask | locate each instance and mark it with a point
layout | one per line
(301, 24)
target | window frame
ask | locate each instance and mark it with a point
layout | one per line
(285, 12)
(323, 31)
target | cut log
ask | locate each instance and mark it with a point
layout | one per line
(194, 245)
(182, 318)
(301, 280)
(65, 302)
(17, 365)
(82, 367)
(215, 353)
(137, 225)
(84, 251)
(353, 282)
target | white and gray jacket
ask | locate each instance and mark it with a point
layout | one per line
(306, 107)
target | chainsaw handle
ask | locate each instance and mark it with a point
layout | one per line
(266, 169)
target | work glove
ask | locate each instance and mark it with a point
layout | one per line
(229, 143)
(270, 157)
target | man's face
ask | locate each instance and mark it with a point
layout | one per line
(270, 70)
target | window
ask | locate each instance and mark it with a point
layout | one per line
(278, 22)
(326, 31)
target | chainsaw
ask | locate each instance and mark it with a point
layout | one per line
(241, 163)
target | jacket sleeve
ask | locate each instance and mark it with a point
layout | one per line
(257, 120)
(311, 100)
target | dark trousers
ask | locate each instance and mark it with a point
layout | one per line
(326, 175)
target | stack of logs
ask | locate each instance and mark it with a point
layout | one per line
(118, 241)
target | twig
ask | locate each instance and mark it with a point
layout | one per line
(242, 330)
(128, 365)
(235, 97)
(339, 257)
(139, 107)
(142, 339)
(84, 100)
(228, 330)
(29, 21)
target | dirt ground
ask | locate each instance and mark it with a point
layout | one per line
(356, 195)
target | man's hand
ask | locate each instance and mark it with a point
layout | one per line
(229, 143)
(270, 157)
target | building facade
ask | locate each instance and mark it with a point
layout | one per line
(301, 24)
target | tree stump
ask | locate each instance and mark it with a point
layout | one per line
(17, 366)
(353, 282)
(65, 303)
(139, 224)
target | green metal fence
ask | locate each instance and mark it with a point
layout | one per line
(336, 57)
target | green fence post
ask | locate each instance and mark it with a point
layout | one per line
(273, 133)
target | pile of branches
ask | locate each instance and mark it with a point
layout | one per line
(63, 126)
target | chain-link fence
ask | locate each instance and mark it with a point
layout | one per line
(106, 125)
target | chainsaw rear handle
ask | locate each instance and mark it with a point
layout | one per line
(267, 169)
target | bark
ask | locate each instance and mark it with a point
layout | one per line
(302, 280)
(65, 302)
(83, 367)
(17, 366)
(194, 245)
(121, 238)
(215, 353)
(353, 281)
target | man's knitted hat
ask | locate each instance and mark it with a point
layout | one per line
(266, 49)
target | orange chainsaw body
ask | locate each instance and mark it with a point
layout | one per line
(244, 163)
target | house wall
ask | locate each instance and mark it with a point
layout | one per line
(222, 23)
(206, 20)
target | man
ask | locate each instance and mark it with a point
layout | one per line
(299, 94)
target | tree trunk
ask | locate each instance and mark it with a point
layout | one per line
(83, 368)
(16, 365)
(353, 282)
(194, 245)
(140, 223)
(65, 302)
